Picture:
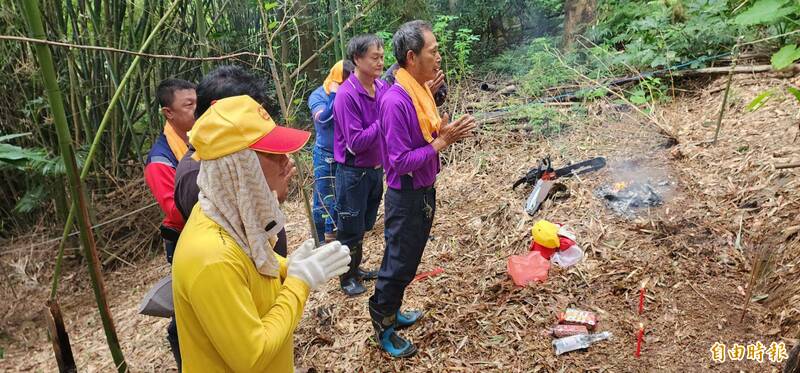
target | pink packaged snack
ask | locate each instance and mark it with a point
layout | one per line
(573, 316)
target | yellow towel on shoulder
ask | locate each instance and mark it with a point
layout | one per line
(424, 104)
(334, 76)
(176, 144)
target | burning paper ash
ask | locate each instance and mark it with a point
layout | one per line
(635, 187)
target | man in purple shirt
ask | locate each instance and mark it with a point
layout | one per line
(411, 160)
(358, 149)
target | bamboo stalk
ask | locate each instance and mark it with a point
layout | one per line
(664, 130)
(200, 27)
(98, 136)
(332, 27)
(33, 14)
(727, 92)
(301, 169)
(339, 26)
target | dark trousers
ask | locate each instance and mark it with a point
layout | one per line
(172, 338)
(172, 328)
(408, 220)
(358, 196)
(170, 237)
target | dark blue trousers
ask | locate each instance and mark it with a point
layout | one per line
(408, 220)
(172, 328)
(358, 196)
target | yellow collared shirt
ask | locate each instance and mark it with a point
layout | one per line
(230, 317)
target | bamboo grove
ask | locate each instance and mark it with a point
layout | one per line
(298, 38)
(32, 171)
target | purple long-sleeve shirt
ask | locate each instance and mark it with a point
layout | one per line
(356, 126)
(406, 150)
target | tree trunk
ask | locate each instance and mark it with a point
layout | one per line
(308, 39)
(577, 15)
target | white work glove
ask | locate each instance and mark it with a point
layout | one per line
(316, 266)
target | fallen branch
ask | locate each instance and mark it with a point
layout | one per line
(788, 165)
(129, 52)
(664, 130)
(507, 90)
(700, 294)
(736, 70)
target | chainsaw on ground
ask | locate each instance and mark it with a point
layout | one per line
(543, 178)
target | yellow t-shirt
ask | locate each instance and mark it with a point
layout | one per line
(230, 317)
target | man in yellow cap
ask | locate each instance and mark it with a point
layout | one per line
(224, 81)
(237, 303)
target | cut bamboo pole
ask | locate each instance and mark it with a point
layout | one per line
(33, 14)
(59, 337)
(727, 93)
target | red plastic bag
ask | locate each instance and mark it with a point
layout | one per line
(528, 268)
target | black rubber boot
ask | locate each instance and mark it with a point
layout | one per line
(350, 282)
(387, 337)
(365, 274)
(352, 286)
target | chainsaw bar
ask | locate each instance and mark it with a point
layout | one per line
(590, 165)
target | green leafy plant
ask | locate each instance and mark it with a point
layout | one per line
(462, 45)
(763, 97)
(444, 36)
(662, 34)
(780, 15)
(794, 92)
(785, 57)
(649, 90)
(764, 12)
(455, 46)
(541, 119)
(36, 168)
(388, 55)
(18, 158)
(760, 100)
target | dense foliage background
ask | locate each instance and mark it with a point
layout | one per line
(520, 38)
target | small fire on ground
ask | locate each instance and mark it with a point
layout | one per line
(635, 188)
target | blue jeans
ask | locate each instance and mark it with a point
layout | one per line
(408, 217)
(324, 192)
(358, 196)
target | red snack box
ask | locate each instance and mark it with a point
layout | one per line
(569, 330)
(573, 316)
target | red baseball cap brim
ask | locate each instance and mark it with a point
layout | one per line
(282, 140)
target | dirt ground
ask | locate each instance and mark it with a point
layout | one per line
(727, 203)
